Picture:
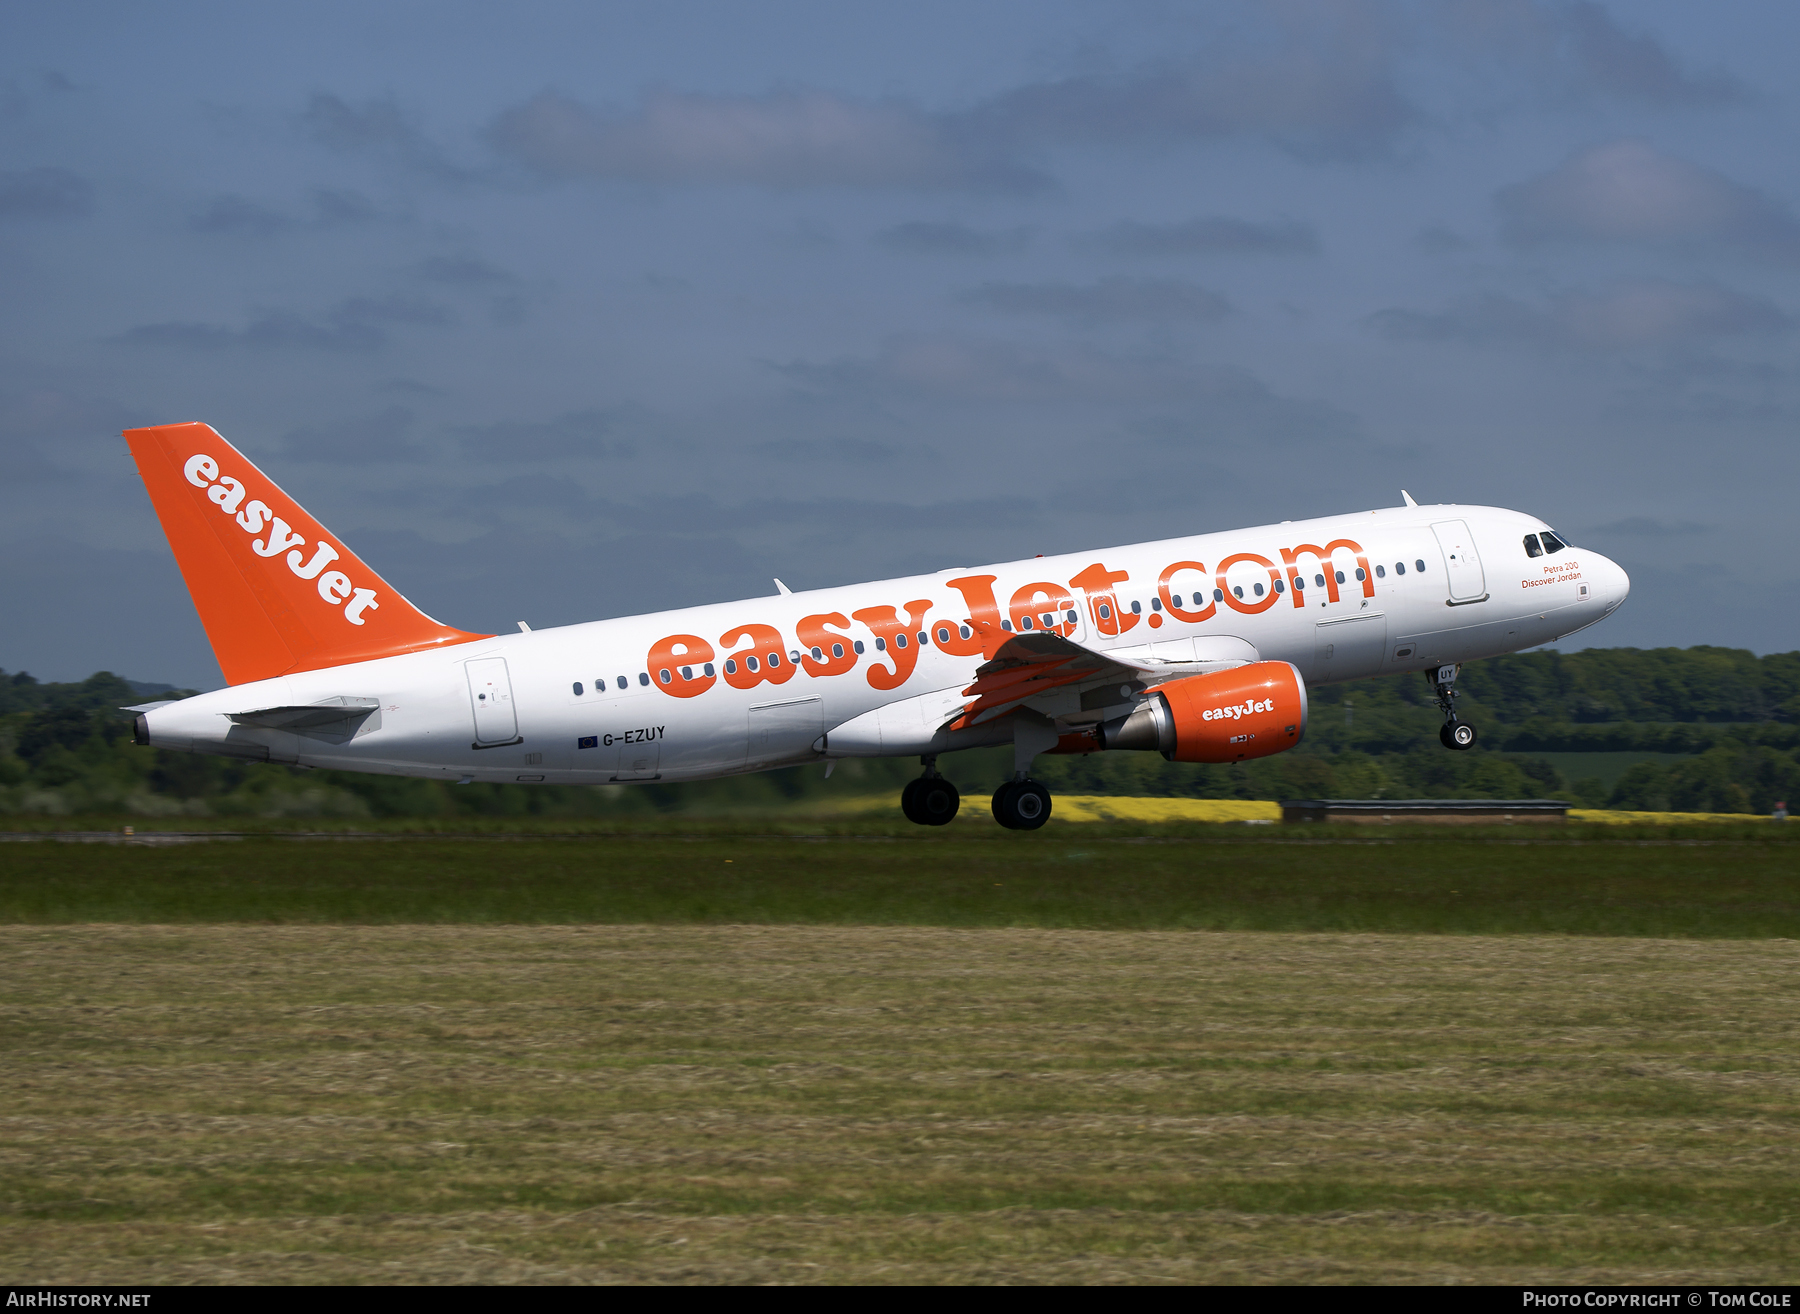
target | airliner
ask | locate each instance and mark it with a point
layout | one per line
(1199, 648)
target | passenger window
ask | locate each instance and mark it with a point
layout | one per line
(967, 633)
(1025, 622)
(1105, 613)
(687, 672)
(899, 640)
(1258, 588)
(578, 688)
(1552, 544)
(881, 643)
(924, 639)
(1047, 619)
(774, 660)
(624, 683)
(1340, 575)
(708, 668)
(731, 666)
(750, 664)
(1419, 565)
(1069, 615)
(818, 654)
(1360, 576)
(837, 650)
(857, 646)
(664, 676)
(1280, 587)
(1155, 604)
(1319, 580)
(1381, 572)
(943, 634)
(1175, 598)
(1218, 595)
(1238, 590)
(1399, 567)
(644, 677)
(1531, 546)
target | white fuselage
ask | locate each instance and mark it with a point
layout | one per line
(548, 705)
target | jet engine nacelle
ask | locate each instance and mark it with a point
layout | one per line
(1223, 716)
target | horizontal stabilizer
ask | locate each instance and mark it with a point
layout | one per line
(331, 711)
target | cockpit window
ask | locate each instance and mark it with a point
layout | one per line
(1552, 544)
(1531, 546)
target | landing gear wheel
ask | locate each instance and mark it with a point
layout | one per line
(1021, 805)
(930, 801)
(909, 802)
(1459, 735)
(938, 801)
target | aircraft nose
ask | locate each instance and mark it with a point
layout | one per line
(1612, 583)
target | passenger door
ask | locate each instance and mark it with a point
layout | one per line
(490, 695)
(1462, 564)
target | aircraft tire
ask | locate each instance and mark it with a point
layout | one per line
(910, 802)
(937, 802)
(1021, 805)
(1462, 736)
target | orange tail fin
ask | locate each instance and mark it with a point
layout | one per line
(275, 590)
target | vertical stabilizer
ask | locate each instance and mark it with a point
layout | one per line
(276, 591)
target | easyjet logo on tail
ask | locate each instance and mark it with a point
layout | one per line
(271, 537)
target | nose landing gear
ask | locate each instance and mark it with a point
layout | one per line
(1021, 805)
(1455, 732)
(930, 800)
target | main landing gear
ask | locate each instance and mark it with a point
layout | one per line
(1454, 733)
(1021, 805)
(930, 800)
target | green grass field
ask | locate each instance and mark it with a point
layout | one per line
(1098, 877)
(871, 1053)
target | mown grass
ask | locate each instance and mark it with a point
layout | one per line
(860, 1104)
(1611, 881)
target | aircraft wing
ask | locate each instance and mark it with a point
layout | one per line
(1021, 667)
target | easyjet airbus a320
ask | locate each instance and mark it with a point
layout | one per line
(1199, 648)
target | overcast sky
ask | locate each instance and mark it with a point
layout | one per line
(563, 312)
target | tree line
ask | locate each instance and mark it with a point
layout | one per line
(1726, 721)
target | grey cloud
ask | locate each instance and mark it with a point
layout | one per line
(44, 194)
(920, 237)
(1173, 403)
(379, 437)
(1318, 89)
(841, 451)
(378, 126)
(782, 139)
(1627, 191)
(576, 434)
(1635, 65)
(1436, 239)
(240, 216)
(1115, 298)
(1649, 527)
(1641, 313)
(358, 324)
(1217, 235)
(464, 271)
(235, 214)
(1578, 45)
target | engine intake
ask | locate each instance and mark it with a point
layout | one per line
(1223, 716)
